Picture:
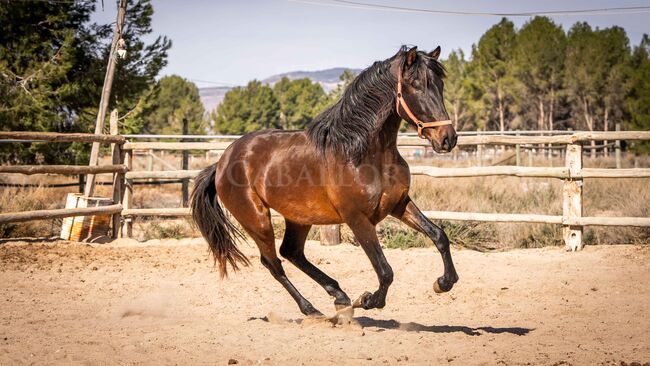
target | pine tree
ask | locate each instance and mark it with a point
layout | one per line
(456, 88)
(492, 80)
(168, 103)
(52, 66)
(538, 61)
(247, 109)
(300, 101)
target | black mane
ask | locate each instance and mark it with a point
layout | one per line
(347, 126)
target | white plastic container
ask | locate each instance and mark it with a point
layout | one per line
(85, 228)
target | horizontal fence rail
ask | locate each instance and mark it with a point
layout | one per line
(176, 145)
(63, 169)
(407, 140)
(59, 213)
(61, 137)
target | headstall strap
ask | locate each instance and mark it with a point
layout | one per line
(420, 124)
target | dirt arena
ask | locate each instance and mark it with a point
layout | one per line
(163, 303)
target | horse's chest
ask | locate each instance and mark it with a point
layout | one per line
(388, 191)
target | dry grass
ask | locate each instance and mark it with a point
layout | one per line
(29, 199)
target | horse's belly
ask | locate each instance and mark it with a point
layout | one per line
(304, 205)
(296, 188)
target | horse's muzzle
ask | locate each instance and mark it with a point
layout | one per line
(445, 140)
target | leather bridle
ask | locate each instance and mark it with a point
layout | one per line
(420, 124)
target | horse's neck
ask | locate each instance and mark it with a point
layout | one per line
(386, 138)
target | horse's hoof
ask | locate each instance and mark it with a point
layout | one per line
(358, 303)
(440, 288)
(437, 288)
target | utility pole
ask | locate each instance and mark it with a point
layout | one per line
(106, 93)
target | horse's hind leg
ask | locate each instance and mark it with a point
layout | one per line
(255, 218)
(293, 248)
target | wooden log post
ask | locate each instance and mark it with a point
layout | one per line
(118, 178)
(106, 94)
(530, 156)
(185, 166)
(572, 199)
(127, 223)
(617, 147)
(479, 154)
(330, 234)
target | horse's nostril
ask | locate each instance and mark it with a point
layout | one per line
(446, 142)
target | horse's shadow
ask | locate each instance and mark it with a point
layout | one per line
(367, 322)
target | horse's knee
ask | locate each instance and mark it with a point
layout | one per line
(442, 241)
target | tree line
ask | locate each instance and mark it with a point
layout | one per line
(53, 59)
(288, 104)
(538, 77)
(541, 77)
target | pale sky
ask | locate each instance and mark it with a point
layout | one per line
(232, 42)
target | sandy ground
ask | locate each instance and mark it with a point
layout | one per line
(163, 303)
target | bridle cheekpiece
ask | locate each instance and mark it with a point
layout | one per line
(420, 124)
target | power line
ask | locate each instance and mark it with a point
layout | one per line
(220, 83)
(41, 1)
(370, 6)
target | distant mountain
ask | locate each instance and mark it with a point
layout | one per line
(211, 97)
(328, 78)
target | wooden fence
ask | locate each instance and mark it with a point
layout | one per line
(572, 174)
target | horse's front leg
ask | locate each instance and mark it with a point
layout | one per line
(411, 215)
(365, 233)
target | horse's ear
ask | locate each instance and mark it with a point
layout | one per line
(411, 56)
(435, 53)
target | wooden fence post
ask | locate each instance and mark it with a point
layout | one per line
(150, 160)
(617, 147)
(82, 183)
(572, 198)
(479, 154)
(127, 224)
(330, 234)
(185, 166)
(518, 153)
(118, 178)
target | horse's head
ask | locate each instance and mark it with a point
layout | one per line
(420, 100)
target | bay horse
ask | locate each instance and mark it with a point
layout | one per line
(344, 168)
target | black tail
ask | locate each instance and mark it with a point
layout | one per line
(213, 223)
